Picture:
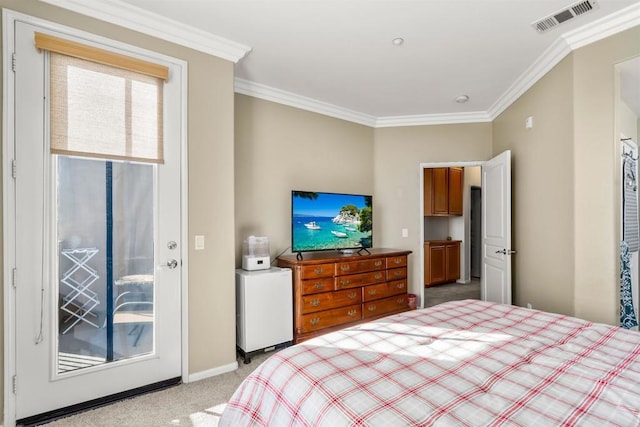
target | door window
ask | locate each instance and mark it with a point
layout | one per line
(105, 224)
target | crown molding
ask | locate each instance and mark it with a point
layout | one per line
(125, 15)
(269, 93)
(549, 59)
(433, 119)
(597, 30)
(617, 22)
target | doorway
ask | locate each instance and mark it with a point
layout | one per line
(627, 114)
(95, 241)
(493, 180)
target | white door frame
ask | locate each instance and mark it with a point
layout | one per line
(8, 201)
(467, 164)
(464, 164)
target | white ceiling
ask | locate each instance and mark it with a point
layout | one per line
(337, 55)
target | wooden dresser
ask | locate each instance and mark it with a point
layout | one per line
(332, 290)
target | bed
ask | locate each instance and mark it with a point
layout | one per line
(460, 363)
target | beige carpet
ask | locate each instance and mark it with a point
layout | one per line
(197, 404)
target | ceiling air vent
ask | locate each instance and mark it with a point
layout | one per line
(563, 15)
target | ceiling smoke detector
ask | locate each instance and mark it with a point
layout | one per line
(564, 15)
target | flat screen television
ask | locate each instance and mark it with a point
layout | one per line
(330, 221)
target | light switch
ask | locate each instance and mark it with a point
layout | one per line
(199, 243)
(528, 123)
(405, 232)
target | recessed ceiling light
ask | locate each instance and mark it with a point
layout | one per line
(397, 41)
(462, 99)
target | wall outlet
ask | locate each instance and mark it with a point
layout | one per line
(405, 232)
(199, 243)
(529, 305)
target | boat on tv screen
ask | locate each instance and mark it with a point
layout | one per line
(330, 221)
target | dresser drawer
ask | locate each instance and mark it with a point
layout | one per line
(313, 286)
(396, 261)
(325, 319)
(386, 305)
(397, 273)
(329, 300)
(356, 280)
(384, 290)
(316, 271)
(362, 266)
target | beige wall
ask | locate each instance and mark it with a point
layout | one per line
(597, 225)
(211, 194)
(542, 190)
(566, 183)
(279, 149)
(398, 153)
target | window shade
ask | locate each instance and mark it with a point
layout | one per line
(101, 56)
(101, 110)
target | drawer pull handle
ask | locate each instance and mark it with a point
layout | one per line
(378, 276)
(344, 282)
(400, 285)
(315, 321)
(319, 285)
(377, 263)
(344, 267)
(400, 301)
(315, 303)
(397, 273)
(372, 308)
(398, 260)
(352, 313)
(372, 292)
(318, 270)
(352, 295)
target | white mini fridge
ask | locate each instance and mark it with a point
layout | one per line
(264, 309)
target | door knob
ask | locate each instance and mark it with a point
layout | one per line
(506, 252)
(171, 264)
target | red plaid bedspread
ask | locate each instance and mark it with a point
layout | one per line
(461, 363)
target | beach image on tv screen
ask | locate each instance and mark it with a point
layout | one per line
(325, 221)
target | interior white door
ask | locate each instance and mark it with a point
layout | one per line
(495, 282)
(73, 344)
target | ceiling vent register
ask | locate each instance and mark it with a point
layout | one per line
(564, 15)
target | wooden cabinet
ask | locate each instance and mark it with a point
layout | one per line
(456, 182)
(452, 262)
(331, 290)
(441, 261)
(443, 191)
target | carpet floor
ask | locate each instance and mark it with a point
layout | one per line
(197, 404)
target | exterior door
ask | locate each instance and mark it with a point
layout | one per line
(97, 262)
(495, 281)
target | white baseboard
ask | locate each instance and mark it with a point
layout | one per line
(213, 372)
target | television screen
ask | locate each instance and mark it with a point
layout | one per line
(330, 221)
